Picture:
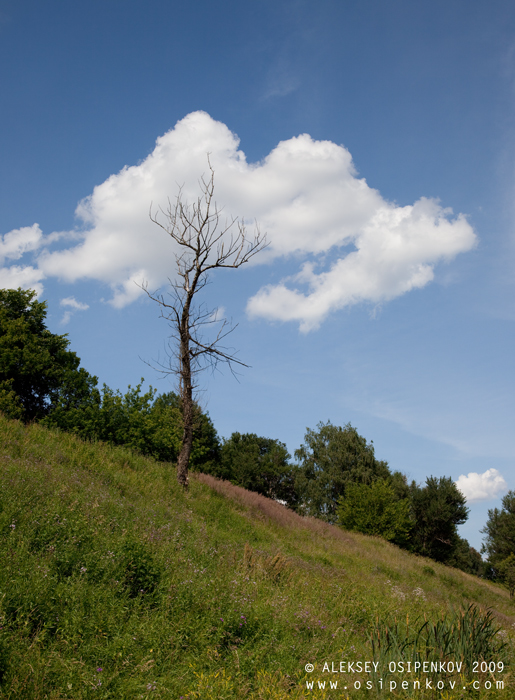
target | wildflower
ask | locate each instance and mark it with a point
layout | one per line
(99, 670)
(419, 593)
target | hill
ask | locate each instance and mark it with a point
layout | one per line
(115, 583)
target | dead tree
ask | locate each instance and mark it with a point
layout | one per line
(204, 242)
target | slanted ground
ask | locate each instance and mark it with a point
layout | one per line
(115, 583)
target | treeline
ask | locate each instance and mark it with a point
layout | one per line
(335, 475)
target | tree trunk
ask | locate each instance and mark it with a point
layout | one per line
(183, 459)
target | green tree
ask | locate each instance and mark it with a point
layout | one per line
(258, 464)
(507, 572)
(143, 421)
(500, 533)
(466, 558)
(169, 427)
(373, 509)
(37, 371)
(437, 509)
(330, 459)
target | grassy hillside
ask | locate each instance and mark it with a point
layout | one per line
(116, 584)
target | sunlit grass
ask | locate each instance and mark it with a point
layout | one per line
(115, 583)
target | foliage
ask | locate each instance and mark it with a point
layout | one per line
(466, 558)
(373, 509)
(330, 459)
(258, 464)
(507, 572)
(500, 533)
(205, 452)
(465, 637)
(141, 574)
(437, 509)
(234, 604)
(10, 403)
(37, 371)
(143, 421)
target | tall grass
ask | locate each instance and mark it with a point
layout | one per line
(114, 583)
(464, 645)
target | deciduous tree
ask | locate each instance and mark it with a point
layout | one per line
(203, 242)
(37, 371)
(373, 509)
(500, 533)
(331, 458)
(140, 420)
(258, 464)
(437, 509)
(507, 571)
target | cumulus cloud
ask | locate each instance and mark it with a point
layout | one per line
(351, 244)
(72, 306)
(26, 277)
(15, 243)
(12, 247)
(481, 487)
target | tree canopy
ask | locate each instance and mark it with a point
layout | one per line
(373, 509)
(499, 543)
(258, 464)
(37, 371)
(331, 458)
(437, 509)
(141, 420)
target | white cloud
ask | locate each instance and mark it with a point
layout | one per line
(73, 306)
(26, 277)
(305, 194)
(15, 243)
(12, 247)
(396, 250)
(481, 487)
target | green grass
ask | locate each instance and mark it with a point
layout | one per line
(114, 583)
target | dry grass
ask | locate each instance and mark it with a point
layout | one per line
(269, 510)
(368, 561)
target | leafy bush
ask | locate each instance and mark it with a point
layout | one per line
(150, 424)
(141, 574)
(374, 510)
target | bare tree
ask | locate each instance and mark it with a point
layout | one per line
(205, 242)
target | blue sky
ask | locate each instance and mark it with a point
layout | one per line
(373, 140)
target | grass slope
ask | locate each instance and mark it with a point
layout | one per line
(114, 583)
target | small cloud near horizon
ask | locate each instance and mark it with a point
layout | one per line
(481, 487)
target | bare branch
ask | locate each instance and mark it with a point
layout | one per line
(205, 242)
